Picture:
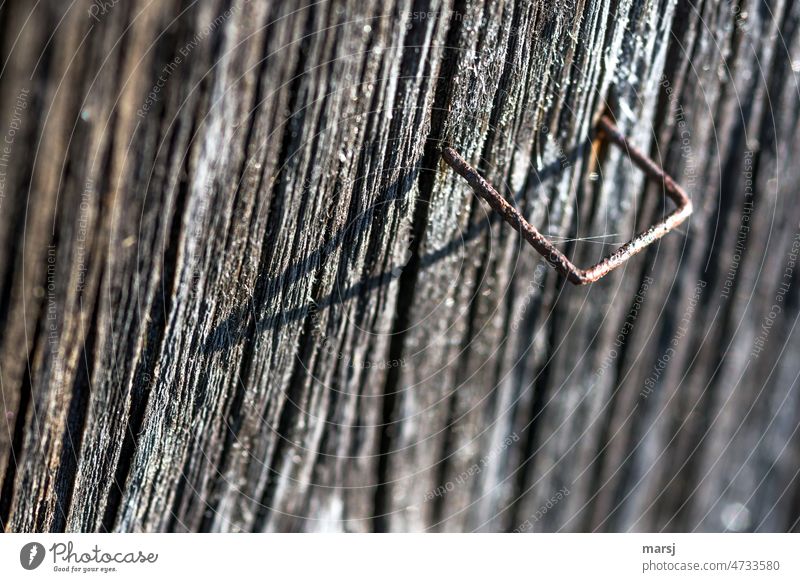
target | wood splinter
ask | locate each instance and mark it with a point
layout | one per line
(555, 257)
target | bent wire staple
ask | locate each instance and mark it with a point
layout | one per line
(555, 257)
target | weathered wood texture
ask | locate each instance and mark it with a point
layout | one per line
(241, 291)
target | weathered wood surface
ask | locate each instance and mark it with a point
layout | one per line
(241, 291)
